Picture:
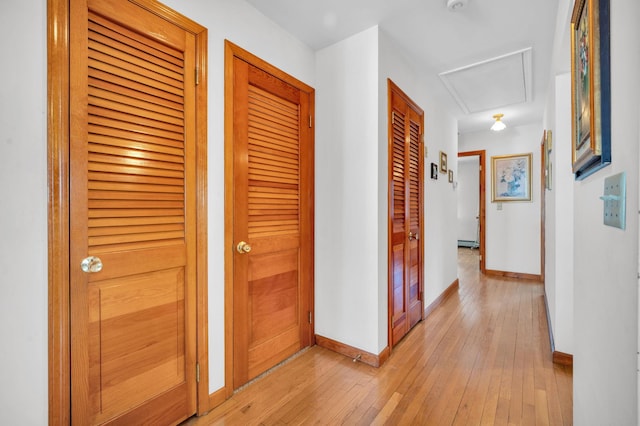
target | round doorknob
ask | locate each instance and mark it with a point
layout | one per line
(91, 264)
(243, 247)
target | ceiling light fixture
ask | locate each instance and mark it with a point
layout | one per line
(456, 4)
(498, 125)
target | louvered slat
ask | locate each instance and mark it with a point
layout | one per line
(138, 148)
(118, 112)
(129, 152)
(274, 175)
(134, 188)
(145, 97)
(100, 25)
(95, 131)
(136, 142)
(116, 158)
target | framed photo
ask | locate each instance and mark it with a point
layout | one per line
(511, 178)
(443, 162)
(590, 87)
(434, 171)
(450, 176)
(547, 140)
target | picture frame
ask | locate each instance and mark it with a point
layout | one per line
(443, 162)
(511, 177)
(450, 176)
(590, 87)
(547, 140)
(434, 171)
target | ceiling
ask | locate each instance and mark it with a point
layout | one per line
(472, 57)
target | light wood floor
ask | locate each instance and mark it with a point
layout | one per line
(482, 357)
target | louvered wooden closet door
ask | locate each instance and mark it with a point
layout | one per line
(406, 215)
(399, 224)
(271, 190)
(133, 207)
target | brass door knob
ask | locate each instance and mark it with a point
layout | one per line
(243, 247)
(91, 264)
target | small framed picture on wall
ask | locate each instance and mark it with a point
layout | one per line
(434, 171)
(443, 162)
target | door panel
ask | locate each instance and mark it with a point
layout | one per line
(399, 225)
(405, 214)
(414, 177)
(132, 205)
(271, 287)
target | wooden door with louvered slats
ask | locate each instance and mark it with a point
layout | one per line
(133, 216)
(272, 220)
(406, 123)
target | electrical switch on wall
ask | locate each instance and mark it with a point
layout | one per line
(615, 195)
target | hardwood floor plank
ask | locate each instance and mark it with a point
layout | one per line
(482, 357)
(386, 411)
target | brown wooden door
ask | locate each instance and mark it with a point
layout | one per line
(133, 206)
(405, 214)
(272, 220)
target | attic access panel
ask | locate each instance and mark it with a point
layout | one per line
(494, 83)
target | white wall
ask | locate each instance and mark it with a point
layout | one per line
(440, 201)
(347, 299)
(23, 217)
(513, 233)
(559, 279)
(352, 186)
(243, 25)
(606, 258)
(468, 198)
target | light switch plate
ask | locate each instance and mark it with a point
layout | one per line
(615, 195)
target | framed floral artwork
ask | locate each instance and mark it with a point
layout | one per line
(511, 178)
(590, 87)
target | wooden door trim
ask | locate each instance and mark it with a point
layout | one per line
(58, 146)
(543, 198)
(394, 88)
(234, 51)
(483, 203)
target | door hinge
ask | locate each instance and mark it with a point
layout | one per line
(197, 76)
(310, 122)
(310, 318)
(197, 372)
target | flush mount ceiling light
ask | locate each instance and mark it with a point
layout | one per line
(498, 125)
(456, 4)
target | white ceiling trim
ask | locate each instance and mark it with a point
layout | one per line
(493, 83)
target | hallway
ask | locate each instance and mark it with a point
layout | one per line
(482, 357)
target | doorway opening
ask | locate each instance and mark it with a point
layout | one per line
(471, 205)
